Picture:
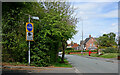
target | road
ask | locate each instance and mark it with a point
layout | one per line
(87, 65)
(80, 65)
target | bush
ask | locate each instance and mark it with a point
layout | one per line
(110, 50)
(93, 51)
(67, 52)
(69, 49)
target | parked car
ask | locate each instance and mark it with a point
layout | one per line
(60, 53)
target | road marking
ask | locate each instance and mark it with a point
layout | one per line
(29, 72)
(76, 70)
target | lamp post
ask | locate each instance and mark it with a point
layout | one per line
(82, 37)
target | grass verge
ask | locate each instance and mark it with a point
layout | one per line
(109, 55)
(58, 64)
(105, 55)
(84, 54)
(14, 64)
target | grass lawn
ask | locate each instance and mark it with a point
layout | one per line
(106, 55)
(82, 54)
(66, 64)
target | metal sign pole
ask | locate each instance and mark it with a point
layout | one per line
(29, 53)
(29, 47)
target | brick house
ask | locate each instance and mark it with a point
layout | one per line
(75, 46)
(89, 43)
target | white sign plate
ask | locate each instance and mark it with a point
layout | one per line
(29, 35)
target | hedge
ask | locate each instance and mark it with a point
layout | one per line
(79, 51)
(110, 50)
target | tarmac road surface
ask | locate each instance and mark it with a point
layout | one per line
(88, 65)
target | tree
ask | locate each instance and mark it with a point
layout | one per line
(66, 21)
(51, 32)
(107, 40)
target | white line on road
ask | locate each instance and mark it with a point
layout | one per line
(76, 70)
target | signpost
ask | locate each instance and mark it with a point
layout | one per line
(29, 32)
(29, 36)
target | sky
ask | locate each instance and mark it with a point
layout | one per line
(98, 18)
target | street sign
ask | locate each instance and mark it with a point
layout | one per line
(29, 35)
(29, 27)
(29, 32)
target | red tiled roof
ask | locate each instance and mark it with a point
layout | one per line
(69, 44)
(75, 45)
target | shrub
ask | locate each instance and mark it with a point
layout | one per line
(67, 52)
(69, 49)
(110, 50)
(93, 51)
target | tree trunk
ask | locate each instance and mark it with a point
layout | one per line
(63, 54)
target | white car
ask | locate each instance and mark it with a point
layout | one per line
(60, 53)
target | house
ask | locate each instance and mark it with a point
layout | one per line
(75, 46)
(88, 43)
(69, 46)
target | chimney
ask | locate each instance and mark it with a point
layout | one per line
(89, 36)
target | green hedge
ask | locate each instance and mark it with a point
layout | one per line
(79, 51)
(70, 49)
(110, 50)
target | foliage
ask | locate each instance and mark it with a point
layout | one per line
(107, 40)
(69, 48)
(106, 55)
(109, 55)
(58, 64)
(84, 54)
(14, 63)
(13, 32)
(54, 27)
(67, 52)
(110, 50)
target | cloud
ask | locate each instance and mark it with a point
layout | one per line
(111, 14)
(110, 29)
(85, 6)
(79, 0)
(95, 10)
(98, 19)
(114, 24)
(69, 41)
(92, 0)
(103, 32)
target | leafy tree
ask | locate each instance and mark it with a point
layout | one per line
(66, 23)
(107, 40)
(51, 32)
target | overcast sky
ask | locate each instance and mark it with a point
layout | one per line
(98, 18)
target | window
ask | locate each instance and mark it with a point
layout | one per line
(90, 44)
(92, 39)
(92, 49)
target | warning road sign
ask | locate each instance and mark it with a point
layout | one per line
(30, 36)
(29, 32)
(29, 27)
